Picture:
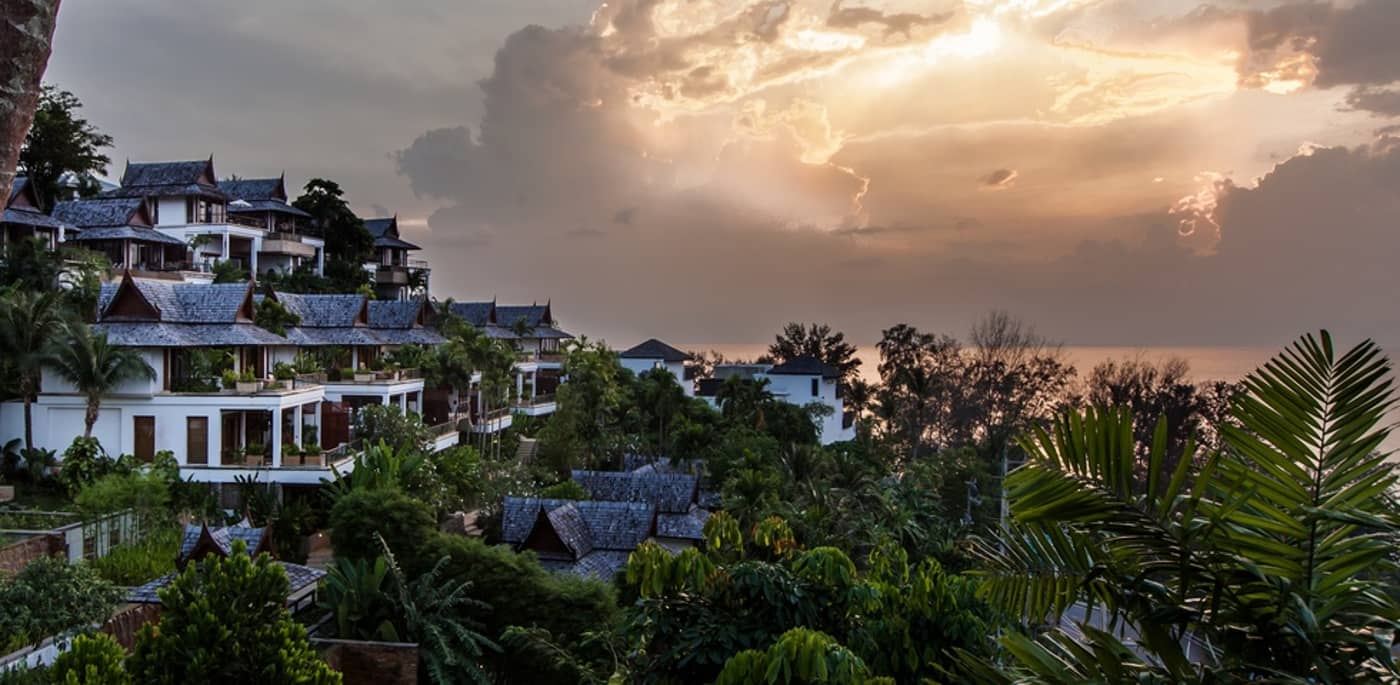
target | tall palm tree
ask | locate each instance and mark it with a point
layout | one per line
(94, 366)
(28, 320)
(1265, 565)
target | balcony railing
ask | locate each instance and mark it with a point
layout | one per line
(418, 264)
(537, 400)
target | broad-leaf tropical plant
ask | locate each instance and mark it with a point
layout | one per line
(94, 366)
(1259, 563)
(28, 320)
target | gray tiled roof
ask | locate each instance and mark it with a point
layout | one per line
(568, 522)
(25, 217)
(185, 302)
(98, 212)
(397, 243)
(196, 189)
(687, 526)
(323, 311)
(251, 189)
(223, 538)
(394, 313)
(298, 578)
(379, 228)
(655, 349)
(668, 492)
(408, 336)
(534, 315)
(601, 564)
(548, 332)
(805, 366)
(266, 206)
(164, 173)
(325, 337)
(478, 314)
(17, 186)
(137, 233)
(619, 526)
(155, 334)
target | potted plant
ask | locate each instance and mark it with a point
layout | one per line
(230, 378)
(311, 455)
(392, 370)
(253, 454)
(247, 382)
(363, 374)
(283, 371)
(291, 454)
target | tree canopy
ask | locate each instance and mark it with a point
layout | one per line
(62, 142)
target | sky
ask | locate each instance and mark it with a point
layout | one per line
(1116, 172)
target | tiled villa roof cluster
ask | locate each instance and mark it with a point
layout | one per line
(501, 321)
(594, 537)
(201, 542)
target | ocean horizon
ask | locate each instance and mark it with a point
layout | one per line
(1227, 363)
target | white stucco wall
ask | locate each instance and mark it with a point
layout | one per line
(677, 369)
(172, 211)
(797, 390)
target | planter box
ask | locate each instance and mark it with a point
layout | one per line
(253, 460)
(247, 388)
(313, 460)
(364, 377)
(7, 493)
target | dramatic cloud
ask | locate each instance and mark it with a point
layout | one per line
(1118, 171)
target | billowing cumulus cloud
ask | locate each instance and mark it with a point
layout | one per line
(1169, 171)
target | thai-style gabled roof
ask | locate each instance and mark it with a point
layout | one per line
(655, 349)
(326, 310)
(479, 314)
(152, 300)
(567, 522)
(201, 541)
(616, 526)
(22, 207)
(136, 233)
(385, 232)
(687, 526)
(668, 492)
(400, 322)
(155, 334)
(259, 195)
(534, 315)
(103, 212)
(147, 179)
(804, 366)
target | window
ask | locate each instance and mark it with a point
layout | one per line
(197, 440)
(145, 438)
(816, 387)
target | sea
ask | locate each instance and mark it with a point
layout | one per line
(1207, 363)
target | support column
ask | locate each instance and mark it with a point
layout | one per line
(403, 404)
(296, 425)
(534, 386)
(275, 449)
(225, 255)
(519, 385)
(253, 245)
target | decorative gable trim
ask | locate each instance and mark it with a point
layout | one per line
(245, 310)
(129, 303)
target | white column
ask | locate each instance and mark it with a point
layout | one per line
(225, 253)
(534, 383)
(253, 256)
(519, 385)
(296, 424)
(320, 261)
(276, 446)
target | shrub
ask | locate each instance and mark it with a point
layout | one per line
(225, 620)
(405, 522)
(84, 462)
(386, 423)
(567, 489)
(283, 371)
(92, 660)
(39, 675)
(230, 378)
(51, 596)
(141, 562)
(144, 492)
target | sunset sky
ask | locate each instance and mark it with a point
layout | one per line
(1119, 172)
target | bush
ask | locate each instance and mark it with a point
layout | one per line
(85, 461)
(51, 596)
(567, 489)
(39, 675)
(141, 562)
(230, 378)
(521, 593)
(406, 523)
(144, 492)
(92, 660)
(386, 423)
(225, 621)
(283, 371)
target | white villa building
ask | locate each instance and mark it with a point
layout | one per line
(654, 354)
(800, 381)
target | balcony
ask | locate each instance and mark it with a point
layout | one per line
(287, 244)
(391, 274)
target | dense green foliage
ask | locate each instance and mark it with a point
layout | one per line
(348, 243)
(91, 660)
(51, 596)
(61, 142)
(224, 620)
(136, 563)
(1269, 555)
(93, 366)
(360, 517)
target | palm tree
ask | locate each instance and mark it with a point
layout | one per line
(1266, 564)
(28, 320)
(94, 366)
